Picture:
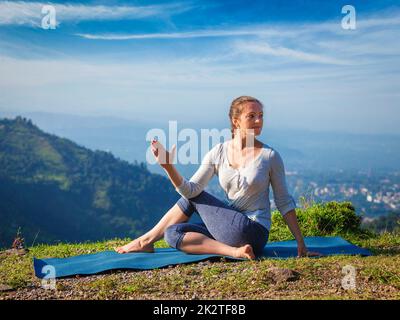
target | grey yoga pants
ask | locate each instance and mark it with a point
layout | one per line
(220, 222)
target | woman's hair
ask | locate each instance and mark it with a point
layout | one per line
(237, 108)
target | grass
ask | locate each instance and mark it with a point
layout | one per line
(377, 276)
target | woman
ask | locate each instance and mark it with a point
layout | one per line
(245, 167)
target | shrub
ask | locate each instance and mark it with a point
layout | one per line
(321, 219)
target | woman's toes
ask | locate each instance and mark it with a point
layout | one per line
(119, 250)
(135, 246)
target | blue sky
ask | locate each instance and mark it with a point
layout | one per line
(187, 60)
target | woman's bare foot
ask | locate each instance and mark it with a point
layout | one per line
(245, 252)
(135, 246)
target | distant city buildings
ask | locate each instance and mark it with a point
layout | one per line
(371, 194)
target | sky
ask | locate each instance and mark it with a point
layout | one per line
(186, 61)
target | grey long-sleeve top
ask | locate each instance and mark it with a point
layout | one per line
(246, 188)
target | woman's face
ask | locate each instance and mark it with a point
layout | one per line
(251, 118)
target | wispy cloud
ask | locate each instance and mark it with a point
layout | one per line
(287, 30)
(322, 43)
(30, 13)
(254, 47)
(278, 51)
(186, 35)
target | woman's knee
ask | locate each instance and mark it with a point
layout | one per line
(187, 202)
(206, 198)
(203, 197)
(186, 206)
(172, 235)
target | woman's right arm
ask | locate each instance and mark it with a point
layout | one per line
(197, 182)
(173, 174)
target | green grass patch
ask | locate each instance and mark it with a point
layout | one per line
(226, 279)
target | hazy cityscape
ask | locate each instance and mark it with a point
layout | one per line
(372, 194)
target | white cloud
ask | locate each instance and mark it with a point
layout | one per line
(286, 30)
(30, 13)
(320, 43)
(278, 51)
(186, 35)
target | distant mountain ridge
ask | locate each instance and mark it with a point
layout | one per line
(301, 149)
(57, 190)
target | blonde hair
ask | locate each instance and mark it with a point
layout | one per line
(236, 109)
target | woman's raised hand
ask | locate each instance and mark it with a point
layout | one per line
(162, 156)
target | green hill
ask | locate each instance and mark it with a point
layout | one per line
(56, 190)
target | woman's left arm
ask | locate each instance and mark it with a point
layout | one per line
(291, 220)
(285, 202)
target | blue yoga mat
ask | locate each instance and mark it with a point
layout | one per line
(162, 257)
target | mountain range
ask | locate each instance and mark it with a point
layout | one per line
(53, 189)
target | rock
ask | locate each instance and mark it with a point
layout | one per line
(19, 252)
(283, 275)
(194, 297)
(4, 287)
